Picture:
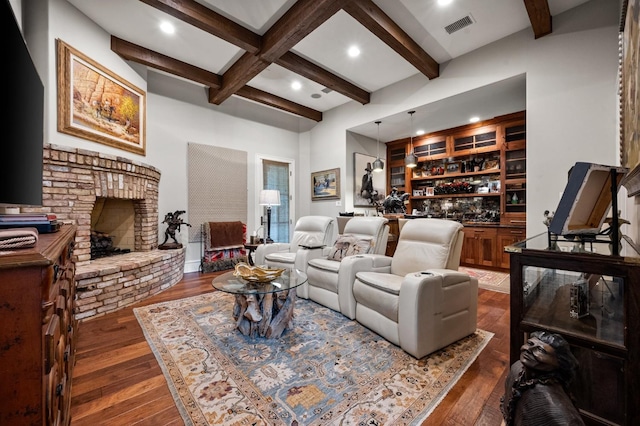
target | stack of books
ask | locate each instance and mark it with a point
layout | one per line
(43, 222)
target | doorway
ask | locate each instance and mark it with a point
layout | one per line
(277, 174)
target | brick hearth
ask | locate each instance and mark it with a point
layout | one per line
(111, 283)
(73, 178)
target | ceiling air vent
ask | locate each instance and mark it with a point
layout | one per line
(459, 24)
(327, 90)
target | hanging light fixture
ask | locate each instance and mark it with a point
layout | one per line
(411, 160)
(378, 165)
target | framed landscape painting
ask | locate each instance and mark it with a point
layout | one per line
(96, 104)
(325, 185)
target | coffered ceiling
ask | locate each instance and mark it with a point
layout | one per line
(255, 49)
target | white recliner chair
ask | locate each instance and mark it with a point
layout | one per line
(417, 299)
(310, 236)
(330, 282)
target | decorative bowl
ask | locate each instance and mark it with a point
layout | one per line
(256, 273)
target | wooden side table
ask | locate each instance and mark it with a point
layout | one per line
(262, 309)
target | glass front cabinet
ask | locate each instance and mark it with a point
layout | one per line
(579, 290)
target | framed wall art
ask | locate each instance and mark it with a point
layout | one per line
(369, 186)
(630, 85)
(98, 105)
(325, 185)
(453, 167)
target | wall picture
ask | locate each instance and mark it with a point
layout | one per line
(96, 104)
(369, 186)
(325, 185)
(630, 98)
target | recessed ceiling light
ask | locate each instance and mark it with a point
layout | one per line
(420, 132)
(353, 51)
(167, 27)
(316, 95)
(444, 2)
(474, 119)
(296, 85)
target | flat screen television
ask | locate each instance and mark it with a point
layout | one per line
(22, 120)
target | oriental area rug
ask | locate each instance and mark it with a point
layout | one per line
(489, 280)
(325, 370)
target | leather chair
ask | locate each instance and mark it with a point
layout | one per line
(310, 235)
(330, 282)
(417, 299)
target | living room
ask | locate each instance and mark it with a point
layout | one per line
(569, 79)
(569, 96)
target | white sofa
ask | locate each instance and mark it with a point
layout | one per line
(311, 235)
(330, 281)
(417, 299)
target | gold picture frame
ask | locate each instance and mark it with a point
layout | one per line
(325, 185)
(630, 85)
(98, 105)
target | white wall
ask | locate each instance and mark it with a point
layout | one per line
(571, 101)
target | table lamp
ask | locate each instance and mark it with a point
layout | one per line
(269, 197)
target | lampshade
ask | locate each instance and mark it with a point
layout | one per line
(378, 165)
(411, 160)
(269, 197)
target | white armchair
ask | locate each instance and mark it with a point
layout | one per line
(330, 282)
(310, 235)
(417, 299)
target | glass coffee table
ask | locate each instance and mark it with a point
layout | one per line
(262, 309)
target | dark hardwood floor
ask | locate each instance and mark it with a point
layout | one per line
(117, 381)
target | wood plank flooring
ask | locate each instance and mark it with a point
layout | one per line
(117, 381)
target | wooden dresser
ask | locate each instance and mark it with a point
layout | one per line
(37, 329)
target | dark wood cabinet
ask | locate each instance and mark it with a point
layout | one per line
(475, 174)
(592, 298)
(479, 246)
(476, 171)
(37, 340)
(394, 233)
(514, 166)
(507, 237)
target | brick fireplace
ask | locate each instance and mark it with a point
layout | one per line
(74, 179)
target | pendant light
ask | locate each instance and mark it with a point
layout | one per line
(411, 160)
(378, 165)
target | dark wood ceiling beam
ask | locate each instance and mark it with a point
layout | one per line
(141, 55)
(540, 17)
(135, 53)
(308, 69)
(237, 76)
(207, 20)
(300, 20)
(375, 20)
(222, 27)
(262, 97)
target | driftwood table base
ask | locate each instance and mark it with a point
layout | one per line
(265, 315)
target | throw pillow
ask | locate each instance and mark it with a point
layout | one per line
(349, 245)
(361, 246)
